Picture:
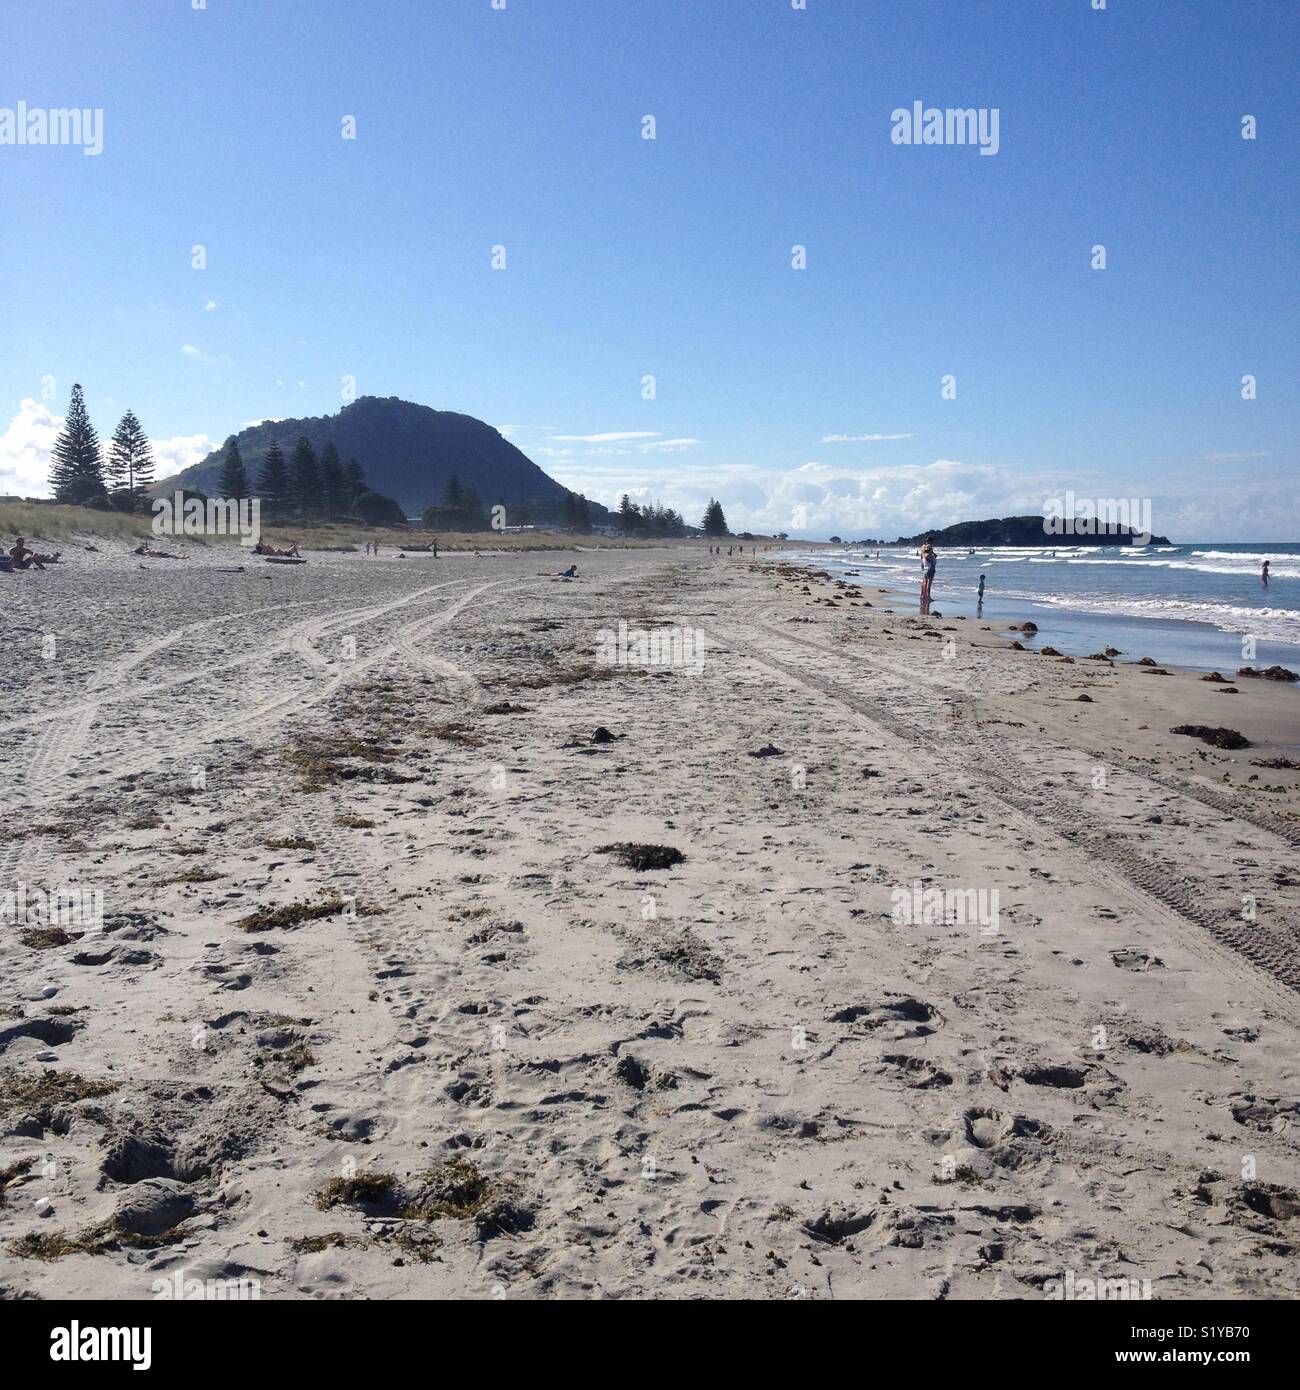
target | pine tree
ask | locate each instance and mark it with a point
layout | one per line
(473, 505)
(629, 515)
(714, 523)
(584, 514)
(304, 475)
(354, 481)
(455, 494)
(332, 484)
(234, 476)
(273, 481)
(131, 454)
(76, 465)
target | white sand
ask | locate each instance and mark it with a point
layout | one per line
(739, 1077)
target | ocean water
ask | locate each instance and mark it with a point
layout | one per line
(1189, 605)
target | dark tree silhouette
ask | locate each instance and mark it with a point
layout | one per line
(273, 484)
(76, 464)
(304, 476)
(129, 466)
(234, 476)
(332, 483)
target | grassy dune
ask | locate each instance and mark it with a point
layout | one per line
(39, 522)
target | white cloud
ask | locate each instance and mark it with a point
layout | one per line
(861, 438)
(817, 500)
(181, 450)
(814, 499)
(25, 450)
(210, 305)
(613, 436)
(668, 446)
(197, 354)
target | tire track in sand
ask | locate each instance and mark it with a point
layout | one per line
(1233, 945)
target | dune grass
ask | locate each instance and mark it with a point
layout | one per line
(40, 522)
(50, 522)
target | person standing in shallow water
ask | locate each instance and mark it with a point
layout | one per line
(979, 604)
(1263, 574)
(929, 561)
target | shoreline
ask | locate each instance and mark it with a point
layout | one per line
(1081, 629)
(1110, 625)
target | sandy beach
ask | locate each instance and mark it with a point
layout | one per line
(963, 987)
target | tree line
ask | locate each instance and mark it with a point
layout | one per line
(658, 520)
(462, 509)
(305, 487)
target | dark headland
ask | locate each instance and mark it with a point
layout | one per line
(1027, 531)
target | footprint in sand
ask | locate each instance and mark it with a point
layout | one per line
(911, 1017)
(916, 1072)
(1134, 958)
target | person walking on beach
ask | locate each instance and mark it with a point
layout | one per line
(929, 561)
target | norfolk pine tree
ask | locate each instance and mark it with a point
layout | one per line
(76, 464)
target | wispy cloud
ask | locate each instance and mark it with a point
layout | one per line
(197, 354)
(611, 437)
(667, 446)
(861, 438)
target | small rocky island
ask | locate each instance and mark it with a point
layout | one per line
(1027, 531)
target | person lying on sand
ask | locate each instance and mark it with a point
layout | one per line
(263, 548)
(24, 559)
(143, 549)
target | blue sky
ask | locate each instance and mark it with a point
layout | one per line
(476, 127)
